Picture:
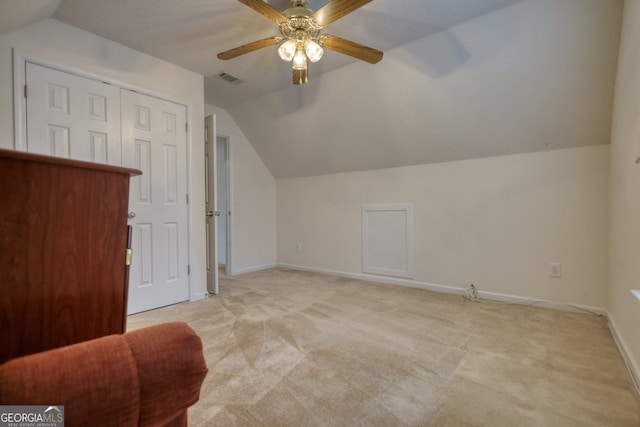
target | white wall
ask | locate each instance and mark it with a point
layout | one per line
(68, 46)
(253, 195)
(624, 275)
(495, 222)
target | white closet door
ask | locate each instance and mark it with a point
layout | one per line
(154, 140)
(71, 116)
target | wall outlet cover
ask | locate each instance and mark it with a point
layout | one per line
(555, 269)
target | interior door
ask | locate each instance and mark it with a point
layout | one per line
(211, 212)
(154, 140)
(71, 116)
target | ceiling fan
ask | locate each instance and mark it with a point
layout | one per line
(301, 39)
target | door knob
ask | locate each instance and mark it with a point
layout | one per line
(131, 215)
(209, 214)
(217, 213)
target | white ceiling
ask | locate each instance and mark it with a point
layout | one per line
(460, 79)
(190, 33)
(17, 14)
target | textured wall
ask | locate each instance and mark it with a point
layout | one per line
(625, 189)
(253, 200)
(495, 222)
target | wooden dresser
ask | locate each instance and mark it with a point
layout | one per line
(63, 244)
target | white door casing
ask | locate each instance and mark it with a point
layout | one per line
(154, 140)
(211, 204)
(71, 116)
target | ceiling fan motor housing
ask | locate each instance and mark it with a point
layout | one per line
(299, 23)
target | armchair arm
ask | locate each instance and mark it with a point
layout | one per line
(145, 377)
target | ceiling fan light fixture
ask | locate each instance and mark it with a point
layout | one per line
(301, 37)
(300, 60)
(313, 50)
(287, 50)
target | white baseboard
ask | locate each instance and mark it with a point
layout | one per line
(543, 303)
(633, 367)
(379, 279)
(253, 269)
(492, 296)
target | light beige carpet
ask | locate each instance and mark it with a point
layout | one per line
(288, 348)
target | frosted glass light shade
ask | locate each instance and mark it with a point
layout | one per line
(300, 60)
(313, 50)
(287, 50)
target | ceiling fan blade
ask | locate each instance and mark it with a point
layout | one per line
(335, 10)
(265, 9)
(250, 47)
(350, 48)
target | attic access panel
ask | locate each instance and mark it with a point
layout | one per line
(387, 240)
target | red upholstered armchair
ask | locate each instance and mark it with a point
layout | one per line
(147, 377)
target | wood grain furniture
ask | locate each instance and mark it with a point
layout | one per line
(63, 245)
(147, 377)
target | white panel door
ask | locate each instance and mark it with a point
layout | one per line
(71, 116)
(154, 140)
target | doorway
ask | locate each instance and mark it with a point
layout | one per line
(223, 200)
(217, 201)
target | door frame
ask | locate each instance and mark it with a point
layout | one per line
(20, 59)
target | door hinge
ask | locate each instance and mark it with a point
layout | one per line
(187, 199)
(128, 257)
(188, 270)
(186, 127)
(25, 91)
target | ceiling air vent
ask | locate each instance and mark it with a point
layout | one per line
(231, 79)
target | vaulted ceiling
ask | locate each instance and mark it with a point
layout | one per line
(460, 79)
(191, 33)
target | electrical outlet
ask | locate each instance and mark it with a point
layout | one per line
(298, 247)
(555, 269)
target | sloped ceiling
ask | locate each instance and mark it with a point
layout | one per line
(18, 14)
(460, 79)
(536, 75)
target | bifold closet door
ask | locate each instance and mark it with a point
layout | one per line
(83, 119)
(154, 140)
(72, 117)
